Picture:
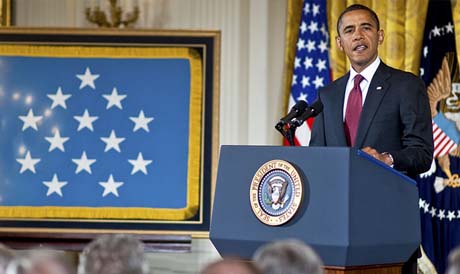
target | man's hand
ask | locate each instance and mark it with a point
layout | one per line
(383, 157)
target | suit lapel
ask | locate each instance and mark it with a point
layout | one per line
(377, 89)
(338, 111)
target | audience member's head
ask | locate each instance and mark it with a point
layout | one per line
(113, 254)
(6, 256)
(288, 257)
(454, 261)
(231, 266)
(41, 261)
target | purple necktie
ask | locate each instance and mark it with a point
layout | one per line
(353, 111)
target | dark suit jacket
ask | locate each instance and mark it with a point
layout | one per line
(395, 118)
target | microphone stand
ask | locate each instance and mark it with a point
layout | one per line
(290, 133)
(280, 128)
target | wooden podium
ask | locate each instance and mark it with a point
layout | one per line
(370, 269)
(358, 214)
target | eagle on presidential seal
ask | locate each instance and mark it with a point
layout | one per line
(276, 189)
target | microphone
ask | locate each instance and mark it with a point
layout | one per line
(310, 111)
(295, 111)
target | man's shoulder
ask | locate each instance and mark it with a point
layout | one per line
(398, 73)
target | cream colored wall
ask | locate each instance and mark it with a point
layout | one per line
(252, 52)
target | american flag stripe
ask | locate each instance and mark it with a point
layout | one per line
(440, 139)
(303, 133)
(436, 131)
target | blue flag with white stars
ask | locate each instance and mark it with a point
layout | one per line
(94, 132)
(439, 201)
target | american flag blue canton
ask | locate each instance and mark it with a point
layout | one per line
(311, 63)
(94, 132)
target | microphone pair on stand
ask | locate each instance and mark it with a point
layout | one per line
(298, 114)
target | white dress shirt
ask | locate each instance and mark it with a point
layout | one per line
(367, 73)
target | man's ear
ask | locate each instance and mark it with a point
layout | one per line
(339, 42)
(381, 35)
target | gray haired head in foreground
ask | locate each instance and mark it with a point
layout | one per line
(113, 254)
(288, 257)
(454, 261)
(231, 266)
(41, 261)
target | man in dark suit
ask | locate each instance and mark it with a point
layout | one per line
(379, 109)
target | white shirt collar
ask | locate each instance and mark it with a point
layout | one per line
(368, 72)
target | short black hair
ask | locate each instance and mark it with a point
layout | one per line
(358, 7)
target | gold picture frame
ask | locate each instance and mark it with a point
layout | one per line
(115, 45)
(5, 13)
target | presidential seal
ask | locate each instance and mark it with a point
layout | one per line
(276, 192)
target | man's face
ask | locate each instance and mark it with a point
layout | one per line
(359, 38)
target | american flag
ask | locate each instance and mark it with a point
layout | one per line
(311, 63)
(94, 132)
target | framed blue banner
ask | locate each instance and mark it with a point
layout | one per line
(107, 130)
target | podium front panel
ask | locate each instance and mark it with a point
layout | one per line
(344, 198)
